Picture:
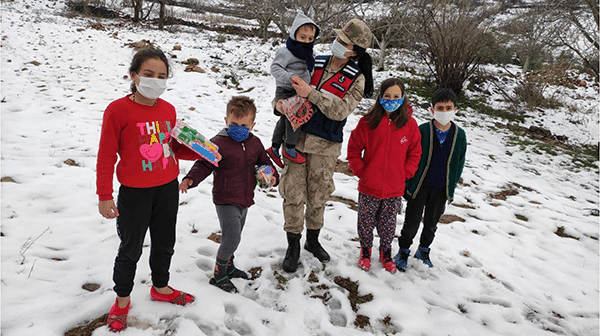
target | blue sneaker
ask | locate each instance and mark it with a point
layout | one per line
(423, 255)
(401, 259)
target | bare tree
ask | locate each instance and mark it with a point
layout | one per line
(263, 11)
(325, 13)
(390, 28)
(576, 27)
(453, 36)
(525, 35)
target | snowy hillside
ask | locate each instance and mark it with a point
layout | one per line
(521, 258)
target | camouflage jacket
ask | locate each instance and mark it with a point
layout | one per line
(333, 108)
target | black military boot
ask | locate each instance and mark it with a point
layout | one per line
(313, 246)
(290, 262)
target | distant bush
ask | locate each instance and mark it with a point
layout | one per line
(531, 93)
(95, 8)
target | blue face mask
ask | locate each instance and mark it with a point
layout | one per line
(238, 133)
(391, 105)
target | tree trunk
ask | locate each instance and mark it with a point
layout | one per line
(161, 18)
(382, 54)
(264, 25)
(137, 10)
(526, 64)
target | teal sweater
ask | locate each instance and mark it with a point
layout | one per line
(454, 166)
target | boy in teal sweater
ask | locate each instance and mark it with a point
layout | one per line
(444, 146)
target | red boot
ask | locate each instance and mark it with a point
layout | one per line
(386, 260)
(117, 317)
(177, 297)
(364, 261)
(275, 157)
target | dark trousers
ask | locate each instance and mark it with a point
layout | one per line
(284, 132)
(141, 209)
(377, 213)
(433, 200)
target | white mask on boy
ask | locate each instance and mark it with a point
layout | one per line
(151, 88)
(444, 117)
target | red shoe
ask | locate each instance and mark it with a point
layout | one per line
(177, 297)
(276, 159)
(386, 260)
(293, 155)
(364, 261)
(117, 317)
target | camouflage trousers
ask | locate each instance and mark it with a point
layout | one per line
(309, 185)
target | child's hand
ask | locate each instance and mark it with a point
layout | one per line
(279, 105)
(185, 184)
(295, 79)
(108, 209)
(263, 182)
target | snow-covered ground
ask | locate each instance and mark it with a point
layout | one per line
(503, 271)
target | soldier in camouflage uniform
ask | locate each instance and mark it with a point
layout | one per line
(335, 90)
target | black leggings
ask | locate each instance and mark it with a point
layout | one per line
(139, 209)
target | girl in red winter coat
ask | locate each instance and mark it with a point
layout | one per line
(383, 151)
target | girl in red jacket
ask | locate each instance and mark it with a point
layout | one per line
(383, 151)
(136, 129)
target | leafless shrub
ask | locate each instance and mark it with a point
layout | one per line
(453, 38)
(531, 93)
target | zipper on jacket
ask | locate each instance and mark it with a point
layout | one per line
(247, 184)
(428, 163)
(448, 163)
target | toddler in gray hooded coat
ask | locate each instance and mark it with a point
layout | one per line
(295, 59)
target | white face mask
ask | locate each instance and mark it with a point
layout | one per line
(444, 117)
(338, 50)
(151, 88)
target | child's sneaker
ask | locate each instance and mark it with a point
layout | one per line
(177, 297)
(386, 260)
(274, 154)
(364, 261)
(117, 317)
(423, 255)
(293, 155)
(401, 259)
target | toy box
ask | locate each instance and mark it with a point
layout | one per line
(197, 142)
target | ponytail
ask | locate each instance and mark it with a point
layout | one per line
(366, 67)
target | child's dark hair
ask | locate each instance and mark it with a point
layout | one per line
(398, 117)
(241, 106)
(142, 56)
(366, 67)
(443, 95)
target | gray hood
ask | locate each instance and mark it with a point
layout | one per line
(299, 21)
